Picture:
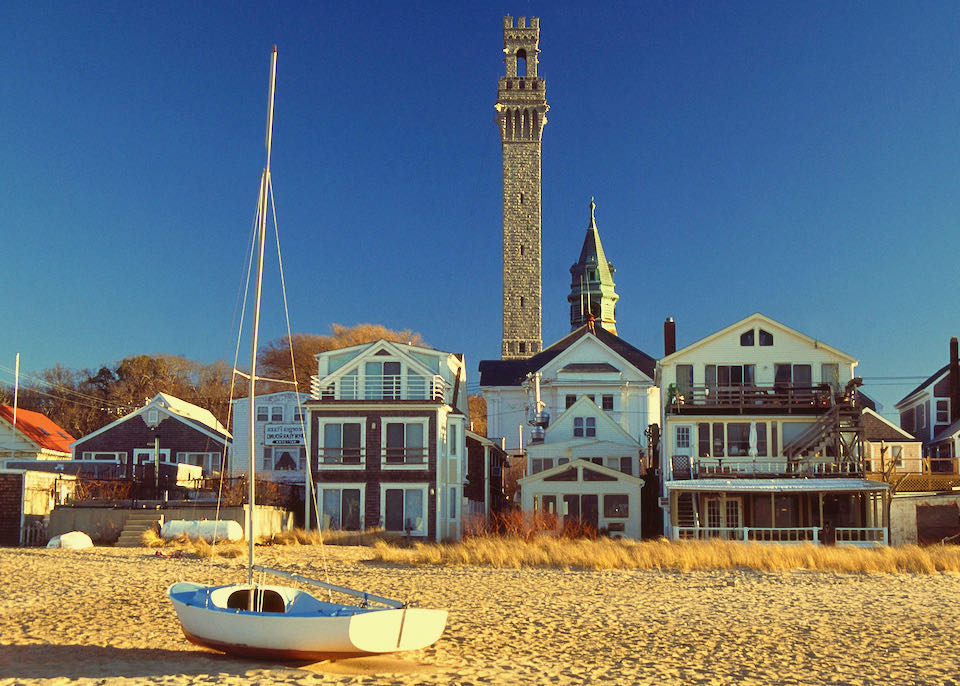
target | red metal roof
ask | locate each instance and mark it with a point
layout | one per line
(38, 428)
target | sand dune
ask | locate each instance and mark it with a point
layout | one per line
(102, 615)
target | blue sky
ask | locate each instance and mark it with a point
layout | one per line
(796, 159)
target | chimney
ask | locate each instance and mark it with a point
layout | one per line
(954, 382)
(669, 337)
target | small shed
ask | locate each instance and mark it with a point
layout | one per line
(26, 500)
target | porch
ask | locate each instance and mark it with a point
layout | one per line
(784, 511)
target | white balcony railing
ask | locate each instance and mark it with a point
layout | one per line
(341, 456)
(404, 456)
(385, 387)
(849, 536)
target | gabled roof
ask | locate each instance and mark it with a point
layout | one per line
(174, 407)
(188, 411)
(514, 372)
(369, 350)
(584, 407)
(876, 428)
(949, 432)
(38, 428)
(586, 464)
(759, 319)
(932, 380)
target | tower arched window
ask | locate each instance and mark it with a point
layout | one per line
(521, 62)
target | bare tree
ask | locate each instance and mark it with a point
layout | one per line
(274, 357)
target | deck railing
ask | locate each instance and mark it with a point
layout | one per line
(751, 399)
(409, 455)
(848, 536)
(732, 467)
(384, 387)
(341, 456)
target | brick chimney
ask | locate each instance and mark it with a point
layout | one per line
(669, 337)
(954, 382)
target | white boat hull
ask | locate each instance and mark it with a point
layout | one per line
(306, 628)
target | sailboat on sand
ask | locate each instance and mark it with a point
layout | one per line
(282, 622)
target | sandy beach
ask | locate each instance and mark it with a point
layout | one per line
(101, 616)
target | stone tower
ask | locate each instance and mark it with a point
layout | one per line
(521, 113)
(591, 285)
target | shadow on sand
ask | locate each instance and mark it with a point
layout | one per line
(48, 661)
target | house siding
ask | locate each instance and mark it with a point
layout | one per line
(174, 435)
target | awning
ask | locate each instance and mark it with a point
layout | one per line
(776, 485)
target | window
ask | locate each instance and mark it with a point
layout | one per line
(382, 380)
(606, 402)
(403, 510)
(340, 508)
(685, 380)
(830, 374)
(766, 338)
(731, 439)
(540, 464)
(210, 462)
(119, 458)
(921, 420)
(404, 443)
(452, 440)
(616, 506)
(523, 346)
(584, 427)
(298, 415)
(341, 444)
(276, 413)
(726, 376)
(718, 443)
(796, 374)
(453, 502)
(570, 400)
(284, 458)
(521, 306)
(548, 504)
(943, 411)
(619, 464)
(746, 338)
(683, 437)
(703, 439)
(896, 455)
(262, 413)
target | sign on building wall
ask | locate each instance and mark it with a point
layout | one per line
(283, 434)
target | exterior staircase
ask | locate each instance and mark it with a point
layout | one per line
(686, 511)
(138, 522)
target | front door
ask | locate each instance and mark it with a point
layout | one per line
(682, 452)
(724, 517)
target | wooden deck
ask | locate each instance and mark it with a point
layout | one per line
(778, 399)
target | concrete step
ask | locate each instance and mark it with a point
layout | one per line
(136, 524)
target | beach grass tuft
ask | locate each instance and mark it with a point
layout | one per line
(605, 553)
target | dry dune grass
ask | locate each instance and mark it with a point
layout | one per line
(193, 547)
(185, 545)
(605, 553)
(600, 553)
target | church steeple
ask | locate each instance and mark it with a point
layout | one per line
(591, 286)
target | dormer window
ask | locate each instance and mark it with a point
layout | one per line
(584, 427)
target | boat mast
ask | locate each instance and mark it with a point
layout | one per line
(261, 239)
